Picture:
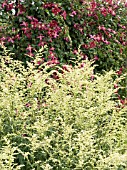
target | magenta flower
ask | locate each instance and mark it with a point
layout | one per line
(25, 29)
(24, 24)
(73, 13)
(119, 72)
(66, 68)
(4, 4)
(85, 46)
(64, 15)
(3, 39)
(29, 48)
(28, 35)
(66, 39)
(9, 7)
(92, 44)
(41, 44)
(53, 62)
(17, 37)
(21, 9)
(93, 5)
(104, 12)
(96, 58)
(10, 40)
(53, 24)
(40, 37)
(106, 42)
(56, 10)
(30, 17)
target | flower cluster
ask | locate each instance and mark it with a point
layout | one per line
(98, 27)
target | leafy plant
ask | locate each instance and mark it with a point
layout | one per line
(74, 121)
(98, 28)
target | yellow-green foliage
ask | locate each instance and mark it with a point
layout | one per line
(65, 124)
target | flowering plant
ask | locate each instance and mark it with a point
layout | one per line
(98, 27)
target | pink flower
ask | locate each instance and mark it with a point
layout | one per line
(104, 11)
(29, 48)
(56, 10)
(24, 24)
(109, 1)
(92, 44)
(121, 50)
(35, 19)
(96, 58)
(82, 65)
(41, 44)
(9, 7)
(10, 40)
(52, 49)
(30, 17)
(65, 67)
(85, 46)
(53, 62)
(115, 86)
(4, 4)
(73, 13)
(64, 15)
(53, 24)
(21, 9)
(101, 28)
(106, 42)
(34, 24)
(17, 37)
(53, 33)
(40, 37)
(93, 5)
(66, 39)
(28, 35)
(119, 72)
(3, 39)
(75, 52)
(92, 77)
(25, 29)
(111, 11)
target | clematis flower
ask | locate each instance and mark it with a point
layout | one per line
(73, 13)
(41, 44)
(104, 12)
(25, 24)
(92, 44)
(10, 40)
(21, 9)
(17, 37)
(119, 72)
(29, 48)
(64, 15)
(40, 37)
(96, 58)
(93, 5)
(4, 4)
(56, 10)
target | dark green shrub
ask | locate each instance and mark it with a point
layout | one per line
(97, 28)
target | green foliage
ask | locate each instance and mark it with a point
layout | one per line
(97, 27)
(73, 122)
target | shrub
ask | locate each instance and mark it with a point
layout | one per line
(98, 28)
(72, 122)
